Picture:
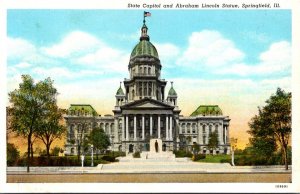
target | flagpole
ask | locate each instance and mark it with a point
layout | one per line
(144, 17)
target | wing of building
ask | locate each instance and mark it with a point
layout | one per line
(144, 112)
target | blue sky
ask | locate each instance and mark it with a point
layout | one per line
(233, 58)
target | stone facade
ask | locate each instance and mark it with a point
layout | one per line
(143, 112)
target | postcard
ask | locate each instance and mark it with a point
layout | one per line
(144, 96)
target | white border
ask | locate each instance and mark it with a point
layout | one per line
(151, 187)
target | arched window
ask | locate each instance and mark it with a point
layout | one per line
(145, 70)
(183, 128)
(203, 129)
(141, 70)
(216, 128)
(149, 70)
(210, 129)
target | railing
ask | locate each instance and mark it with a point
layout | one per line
(143, 75)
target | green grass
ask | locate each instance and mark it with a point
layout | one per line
(214, 158)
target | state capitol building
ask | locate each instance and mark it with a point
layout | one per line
(144, 111)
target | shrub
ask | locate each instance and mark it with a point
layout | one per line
(108, 158)
(197, 157)
(13, 154)
(136, 155)
(55, 151)
(182, 154)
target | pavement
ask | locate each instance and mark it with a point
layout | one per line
(139, 165)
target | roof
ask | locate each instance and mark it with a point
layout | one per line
(83, 107)
(144, 47)
(120, 91)
(207, 110)
(172, 92)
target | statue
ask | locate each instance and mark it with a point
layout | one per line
(156, 146)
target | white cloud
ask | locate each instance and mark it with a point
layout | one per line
(167, 51)
(276, 59)
(23, 65)
(75, 43)
(106, 58)
(18, 48)
(210, 48)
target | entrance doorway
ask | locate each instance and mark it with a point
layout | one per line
(130, 148)
(164, 147)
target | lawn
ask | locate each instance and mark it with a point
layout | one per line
(215, 158)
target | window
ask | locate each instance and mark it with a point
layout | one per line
(183, 128)
(150, 88)
(210, 129)
(140, 88)
(194, 129)
(149, 70)
(72, 134)
(204, 139)
(145, 89)
(203, 129)
(188, 128)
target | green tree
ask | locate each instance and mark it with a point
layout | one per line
(55, 151)
(213, 140)
(272, 126)
(13, 154)
(28, 106)
(99, 139)
(51, 129)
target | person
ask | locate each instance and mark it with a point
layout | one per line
(156, 146)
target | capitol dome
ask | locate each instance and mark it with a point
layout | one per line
(144, 48)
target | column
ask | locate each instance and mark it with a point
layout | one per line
(109, 128)
(220, 132)
(180, 128)
(127, 130)
(158, 126)
(171, 128)
(123, 128)
(225, 140)
(116, 132)
(167, 127)
(134, 127)
(150, 125)
(207, 133)
(143, 127)
(227, 133)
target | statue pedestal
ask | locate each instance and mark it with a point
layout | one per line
(152, 145)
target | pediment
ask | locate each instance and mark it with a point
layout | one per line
(147, 104)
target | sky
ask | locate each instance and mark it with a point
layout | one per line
(233, 58)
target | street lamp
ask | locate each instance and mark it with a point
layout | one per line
(112, 142)
(92, 147)
(233, 142)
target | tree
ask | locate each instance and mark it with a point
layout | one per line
(28, 106)
(51, 129)
(272, 126)
(12, 154)
(99, 139)
(213, 140)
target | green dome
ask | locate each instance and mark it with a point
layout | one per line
(207, 110)
(144, 47)
(172, 92)
(120, 91)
